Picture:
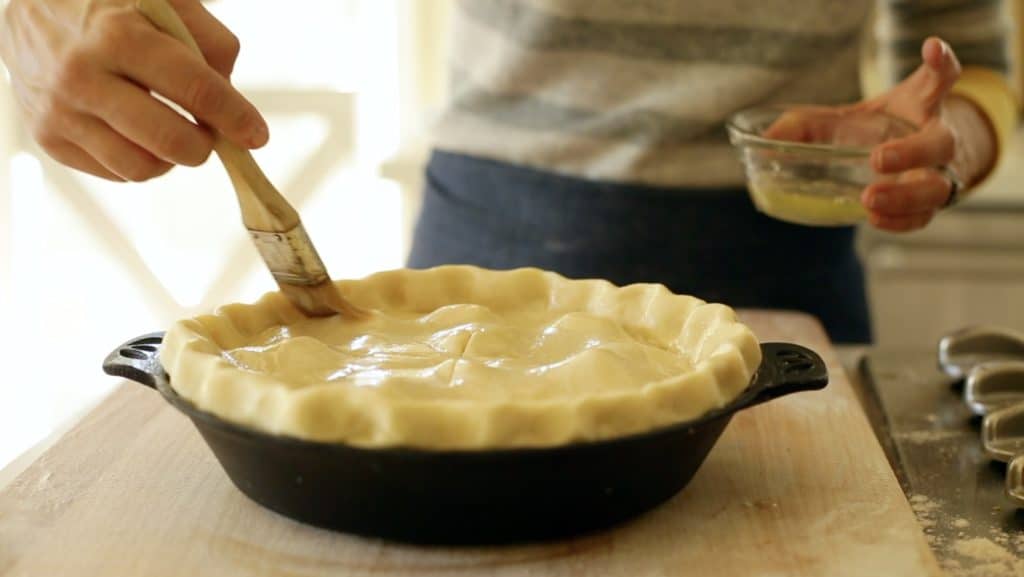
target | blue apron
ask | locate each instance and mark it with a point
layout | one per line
(710, 243)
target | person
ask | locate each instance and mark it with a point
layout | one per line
(583, 136)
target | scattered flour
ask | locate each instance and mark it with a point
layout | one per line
(970, 556)
(923, 505)
(990, 559)
(982, 549)
(952, 566)
(925, 508)
(919, 437)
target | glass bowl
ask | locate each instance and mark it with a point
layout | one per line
(809, 164)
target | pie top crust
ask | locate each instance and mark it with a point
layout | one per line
(459, 357)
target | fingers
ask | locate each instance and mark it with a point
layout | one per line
(941, 61)
(933, 145)
(940, 71)
(911, 201)
(73, 156)
(901, 223)
(917, 191)
(932, 80)
(88, 78)
(135, 114)
(219, 45)
(56, 125)
(811, 124)
(908, 203)
(161, 63)
(116, 153)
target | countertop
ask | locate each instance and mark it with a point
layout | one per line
(798, 486)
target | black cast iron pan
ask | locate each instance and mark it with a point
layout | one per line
(469, 497)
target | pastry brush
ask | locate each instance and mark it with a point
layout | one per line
(274, 225)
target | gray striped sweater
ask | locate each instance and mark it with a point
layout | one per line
(638, 90)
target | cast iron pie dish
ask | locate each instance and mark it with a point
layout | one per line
(476, 407)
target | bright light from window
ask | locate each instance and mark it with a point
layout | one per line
(94, 263)
(26, 172)
(24, 411)
(379, 103)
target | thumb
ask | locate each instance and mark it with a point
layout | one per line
(921, 93)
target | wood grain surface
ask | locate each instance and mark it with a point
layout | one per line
(798, 486)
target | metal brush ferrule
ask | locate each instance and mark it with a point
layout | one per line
(290, 256)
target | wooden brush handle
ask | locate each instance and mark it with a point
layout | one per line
(292, 260)
(263, 207)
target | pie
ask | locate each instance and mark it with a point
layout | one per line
(459, 357)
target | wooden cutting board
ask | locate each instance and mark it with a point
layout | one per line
(798, 486)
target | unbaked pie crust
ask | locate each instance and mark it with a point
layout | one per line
(459, 357)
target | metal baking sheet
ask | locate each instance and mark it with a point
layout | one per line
(933, 441)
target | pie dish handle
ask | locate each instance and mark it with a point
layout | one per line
(137, 360)
(787, 368)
